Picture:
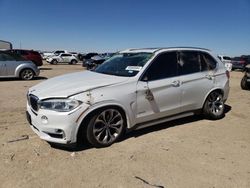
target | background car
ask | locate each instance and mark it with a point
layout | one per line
(227, 61)
(238, 63)
(13, 65)
(246, 58)
(245, 81)
(46, 54)
(62, 58)
(31, 55)
(97, 60)
(87, 57)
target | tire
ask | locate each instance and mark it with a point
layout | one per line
(73, 62)
(214, 106)
(27, 74)
(244, 84)
(54, 62)
(105, 127)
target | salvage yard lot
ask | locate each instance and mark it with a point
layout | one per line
(191, 152)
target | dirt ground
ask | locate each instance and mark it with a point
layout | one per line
(191, 152)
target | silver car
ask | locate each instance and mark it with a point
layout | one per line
(12, 65)
(133, 89)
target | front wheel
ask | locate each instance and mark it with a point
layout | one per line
(27, 74)
(214, 106)
(105, 127)
(244, 84)
(54, 62)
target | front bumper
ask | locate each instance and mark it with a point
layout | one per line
(56, 127)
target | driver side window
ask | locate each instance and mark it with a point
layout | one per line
(163, 66)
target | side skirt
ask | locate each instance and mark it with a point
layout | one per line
(161, 120)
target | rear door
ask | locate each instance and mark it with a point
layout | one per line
(197, 78)
(2, 66)
(158, 92)
(11, 64)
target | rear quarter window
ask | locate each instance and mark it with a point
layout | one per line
(208, 62)
(34, 53)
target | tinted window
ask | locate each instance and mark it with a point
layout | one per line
(164, 66)
(227, 58)
(188, 62)
(6, 57)
(208, 61)
(22, 52)
(66, 55)
(59, 52)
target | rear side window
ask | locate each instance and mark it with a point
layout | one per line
(208, 61)
(6, 57)
(22, 52)
(34, 53)
(164, 66)
(188, 62)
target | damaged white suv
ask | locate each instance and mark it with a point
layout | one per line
(133, 89)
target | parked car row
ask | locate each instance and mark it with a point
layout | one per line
(235, 62)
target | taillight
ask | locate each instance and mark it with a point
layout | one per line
(228, 74)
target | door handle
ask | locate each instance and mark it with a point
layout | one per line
(176, 83)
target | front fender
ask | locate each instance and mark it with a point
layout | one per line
(92, 108)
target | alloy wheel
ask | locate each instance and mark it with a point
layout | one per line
(27, 74)
(108, 126)
(215, 103)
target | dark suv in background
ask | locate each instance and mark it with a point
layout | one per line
(238, 63)
(31, 55)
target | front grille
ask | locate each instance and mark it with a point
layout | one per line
(33, 101)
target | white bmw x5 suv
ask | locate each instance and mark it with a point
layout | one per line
(133, 89)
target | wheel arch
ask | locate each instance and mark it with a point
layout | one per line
(214, 89)
(80, 131)
(22, 67)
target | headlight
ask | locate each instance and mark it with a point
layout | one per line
(59, 105)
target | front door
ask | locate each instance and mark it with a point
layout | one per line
(158, 92)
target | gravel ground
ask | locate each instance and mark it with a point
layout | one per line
(191, 152)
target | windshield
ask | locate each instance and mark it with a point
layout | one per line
(124, 64)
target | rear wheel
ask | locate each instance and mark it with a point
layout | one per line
(105, 127)
(27, 74)
(214, 106)
(73, 62)
(244, 84)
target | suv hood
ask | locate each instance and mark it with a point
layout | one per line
(70, 84)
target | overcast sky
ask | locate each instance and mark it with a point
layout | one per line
(105, 26)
